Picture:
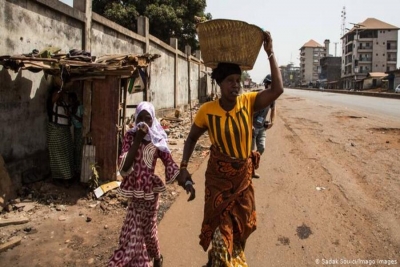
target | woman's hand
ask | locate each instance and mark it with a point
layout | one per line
(141, 133)
(144, 127)
(185, 180)
(268, 125)
(268, 43)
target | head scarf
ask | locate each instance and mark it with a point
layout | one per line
(156, 133)
(223, 70)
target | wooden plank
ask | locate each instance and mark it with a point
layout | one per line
(87, 111)
(83, 78)
(105, 106)
(5, 222)
(33, 58)
(6, 186)
(10, 244)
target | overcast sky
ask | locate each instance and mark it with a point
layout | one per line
(292, 23)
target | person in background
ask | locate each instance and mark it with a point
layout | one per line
(261, 124)
(76, 110)
(229, 207)
(142, 146)
(59, 138)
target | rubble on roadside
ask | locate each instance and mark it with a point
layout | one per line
(44, 197)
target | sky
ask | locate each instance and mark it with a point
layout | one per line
(292, 23)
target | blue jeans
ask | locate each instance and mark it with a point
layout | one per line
(258, 141)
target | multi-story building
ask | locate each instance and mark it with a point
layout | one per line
(370, 46)
(290, 75)
(310, 54)
(330, 71)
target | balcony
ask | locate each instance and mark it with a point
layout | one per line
(364, 49)
(365, 60)
(392, 60)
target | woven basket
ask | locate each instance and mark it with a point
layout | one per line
(229, 41)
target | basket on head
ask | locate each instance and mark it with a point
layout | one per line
(229, 41)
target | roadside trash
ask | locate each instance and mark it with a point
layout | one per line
(320, 188)
(104, 188)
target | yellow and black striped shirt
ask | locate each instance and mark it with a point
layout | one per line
(230, 131)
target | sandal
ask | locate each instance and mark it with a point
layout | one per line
(159, 262)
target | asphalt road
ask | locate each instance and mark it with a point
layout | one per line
(380, 106)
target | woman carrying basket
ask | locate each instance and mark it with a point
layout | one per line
(229, 208)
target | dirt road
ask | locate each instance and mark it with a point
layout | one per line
(329, 193)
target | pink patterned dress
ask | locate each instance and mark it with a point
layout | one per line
(138, 241)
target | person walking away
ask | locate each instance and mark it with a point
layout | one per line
(76, 110)
(229, 208)
(142, 146)
(261, 124)
(59, 138)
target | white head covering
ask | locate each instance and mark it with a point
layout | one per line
(156, 133)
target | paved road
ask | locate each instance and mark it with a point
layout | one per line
(378, 105)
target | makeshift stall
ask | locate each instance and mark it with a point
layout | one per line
(106, 82)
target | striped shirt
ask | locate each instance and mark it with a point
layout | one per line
(230, 132)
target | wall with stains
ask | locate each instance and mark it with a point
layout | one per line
(36, 24)
(25, 26)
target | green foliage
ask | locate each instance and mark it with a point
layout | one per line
(245, 76)
(94, 179)
(167, 18)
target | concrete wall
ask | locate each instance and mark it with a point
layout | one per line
(35, 24)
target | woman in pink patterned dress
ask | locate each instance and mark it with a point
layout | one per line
(147, 141)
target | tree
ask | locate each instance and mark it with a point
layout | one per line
(245, 76)
(167, 18)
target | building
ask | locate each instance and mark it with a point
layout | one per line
(330, 72)
(290, 75)
(370, 46)
(393, 79)
(310, 54)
